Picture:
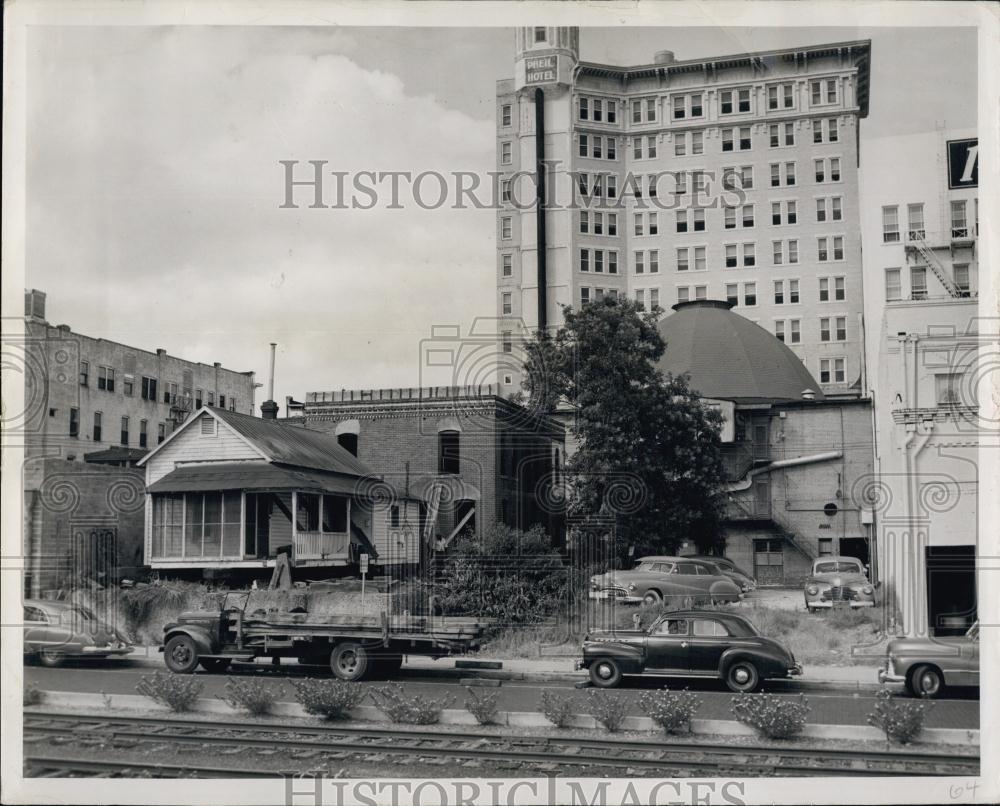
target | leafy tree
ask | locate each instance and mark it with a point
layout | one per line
(649, 452)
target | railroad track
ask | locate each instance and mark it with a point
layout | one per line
(343, 742)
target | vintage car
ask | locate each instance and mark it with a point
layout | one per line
(54, 631)
(676, 580)
(838, 581)
(689, 643)
(926, 665)
(746, 581)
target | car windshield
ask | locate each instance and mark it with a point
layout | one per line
(836, 567)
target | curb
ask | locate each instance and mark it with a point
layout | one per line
(524, 719)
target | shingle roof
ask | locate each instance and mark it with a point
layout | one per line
(118, 453)
(729, 357)
(295, 445)
(254, 476)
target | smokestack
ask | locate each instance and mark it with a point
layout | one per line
(269, 409)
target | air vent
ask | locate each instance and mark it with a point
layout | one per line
(208, 426)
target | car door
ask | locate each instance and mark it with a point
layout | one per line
(36, 626)
(667, 645)
(709, 638)
(686, 578)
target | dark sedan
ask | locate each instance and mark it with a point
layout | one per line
(689, 643)
(54, 631)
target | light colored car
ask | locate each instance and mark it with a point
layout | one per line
(746, 581)
(927, 665)
(675, 580)
(54, 631)
(838, 581)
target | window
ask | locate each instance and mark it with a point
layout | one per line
(779, 292)
(654, 261)
(505, 115)
(793, 291)
(824, 289)
(505, 152)
(893, 285)
(743, 100)
(640, 298)
(505, 195)
(161, 432)
(613, 223)
(654, 226)
(696, 108)
(142, 433)
(774, 135)
(584, 260)
(584, 149)
(680, 107)
(700, 261)
(795, 331)
(612, 148)
(682, 259)
(584, 295)
(959, 224)
(777, 256)
(106, 379)
(727, 139)
(961, 277)
(539, 34)
(817, 131)
(612, 186)
(730, 217)
(97, 426)
(750, 293)
(637, 111)
(745, 139)
(790, 173)
(148, 390)
(747, 215)
(654, 298)
(824, 92)
(650, 110)
(918, 282)
(680, 145)
(726, 102)
(779, 329)
(211, 398)
(597, 150)
(915, 220)
(84, 373)
(824, 329)
(699, 219)
(831, 130)
(834, 169)
(838, 289)
(731, 259)
(507, 265)
(598, 109)
(683, 293)
(505, 228)
(838, 248)
(584, 221)
(825, 547)
(74, 422)
(841, 328)
(790, 211)
(128, 385)
(612, 116)
(612, 262)
(836, 209)
(598, 223)
(701, 292)
(709, 628)
(637, 148)
(598, 294)
(124, 434)
(640, 261)
(599, 261)
(448, 452)
(732, 294)
(170, 394)
(831, 370)
(682, 222)
(697, 143)
(946, 388)
(506, 303)
(890, 224)
(749, 254)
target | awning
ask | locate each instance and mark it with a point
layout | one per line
(256, 476)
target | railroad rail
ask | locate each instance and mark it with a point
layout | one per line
(341, 742)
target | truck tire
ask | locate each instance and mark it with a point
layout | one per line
(350, 661)
(181, 654)
(605, 673)
(215, 665)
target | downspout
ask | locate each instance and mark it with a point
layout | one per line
(540, 208)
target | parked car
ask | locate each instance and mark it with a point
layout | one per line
(54, 631)
(838, 580)
(677, 580)
(927, 665)
(745, 580)
(689, 643)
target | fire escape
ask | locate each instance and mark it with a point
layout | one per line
(916, 244)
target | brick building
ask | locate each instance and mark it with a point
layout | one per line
(731, 177)
(490, 460)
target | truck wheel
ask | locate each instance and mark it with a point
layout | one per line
(742, 676)
(350, 661)
(605, 673)
(215, 665)
(181, 654)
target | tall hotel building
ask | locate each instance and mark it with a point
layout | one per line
(731, 177)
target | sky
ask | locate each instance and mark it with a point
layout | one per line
(154, 182)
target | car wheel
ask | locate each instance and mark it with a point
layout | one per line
(925, 681)
(181, 654)
(742, 676)
(215, 665)
(652, 598)
(605, 673)
(50, 658)
(350, 661)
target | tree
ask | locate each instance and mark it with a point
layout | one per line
(649, 452)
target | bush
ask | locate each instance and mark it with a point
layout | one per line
(607, 708)
(33, 695)
(558, 708)
(671, 710)
(771, 716)
(252, 696)
(901, 720)
(330, 699)
(412, 709)
(177, 692)
(482, 706)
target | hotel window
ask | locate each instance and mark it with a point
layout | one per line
(506, 303)
(750, 294)
(841, 328)
(779, 292)
(743, 100)
(84, 373)
(584, 108)
(654, 225)
(824, 329)
(584, 295)
(506, 341)
(106, 379)
(584, 222)
(730, 217)
(584, 145)
(817, 131)
(915, 219)
(820, 210)
(961, 277)
(696, 108)
(683, 293)
(726, 102)
(97, 426)
(680, 145)
(74, 422)
(890, 224)
(831, 370)
(749, 254)
(701, 292)
(584, 260)
(772, 97)
(680, 107)
(505, 115)
(598, 223)
(612, 186)
(539, 34)
(170, 394)
(836, 209)
(832, 134)
(637, 111)
(699, 219)
(612, 223)
(508, 265)
(820, 170)
(505, 228)
(612, 148)
(651, 146)
(143, 436)
(612, 262)
(598, 294)
(775, 174)
(747, 215)
(790, 173)
(124, 434)
(947, 389)
(654, 261)
(598, 110)
(838, 248)
(599, 261)
(790, 213)
(682, 221)
(779, 329)
(680, 183)
(637, 148)
(612, 111)
(824, 92)
(639, 224)
(640, 262)
(795, 331)
(746, 142)
(838, 289)
(697, 142)
(505, 153)
(650, 110)
(774, 135)
(733, 294)
(793, 291)
(959, 224)
(834, 169)
(727, 139)
(148, 389)
(654, 298)
(700, 261)
(597, 149)
(505, 191)
(918, 282)
(682, 259)
(640, 299)
(777, 256)
(731, 259)
(893, 285)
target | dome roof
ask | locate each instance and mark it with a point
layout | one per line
(730, 358)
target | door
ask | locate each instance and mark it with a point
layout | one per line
(667, 645)
(685, 582)
(708, 640)
(769, 561)
(762, 496)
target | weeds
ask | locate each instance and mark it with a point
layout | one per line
(607, 708)
(771, 716)
(482, 706)
(671, 710)
(177, 692)
(252, 696)
(901, 720)
(33, 695)
(558, 708)
(330, 699)
(412, 709)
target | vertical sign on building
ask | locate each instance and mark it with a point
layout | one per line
(541, 69)
(963, 163)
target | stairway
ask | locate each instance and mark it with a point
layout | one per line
(917, 242)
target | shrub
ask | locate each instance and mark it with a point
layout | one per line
(177, 692)
(413, 709)
(607, 708)
(330, 699)
(558, 708)
(771, 716)
(671, 710)
(33, 695)
(902, 720)
(482, 706)
(252, 696)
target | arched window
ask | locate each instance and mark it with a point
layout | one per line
(347, 435)
(448, 452)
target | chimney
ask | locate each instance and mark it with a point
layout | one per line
(269, 409)
(34, 305)
(663, 57)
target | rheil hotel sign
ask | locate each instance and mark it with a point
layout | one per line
(541, 69)
(963, 163)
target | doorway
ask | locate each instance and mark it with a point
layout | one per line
(769, 561)
(951, 589)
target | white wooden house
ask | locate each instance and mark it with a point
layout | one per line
(226, 490)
